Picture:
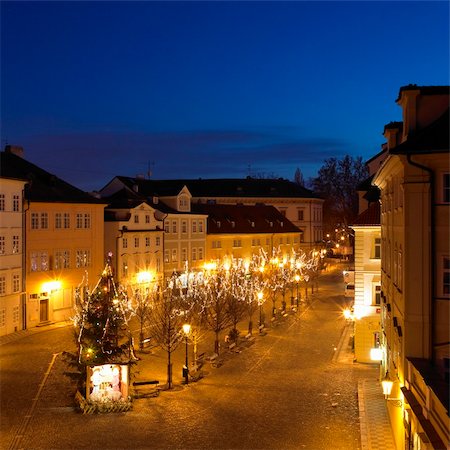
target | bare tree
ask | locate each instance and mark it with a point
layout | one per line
(298, 178)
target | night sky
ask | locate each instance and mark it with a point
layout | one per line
(209, 89)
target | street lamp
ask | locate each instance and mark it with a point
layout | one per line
(297, 279)
(186, 330)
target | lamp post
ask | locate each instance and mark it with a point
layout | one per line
(297, 279)
(186, 330)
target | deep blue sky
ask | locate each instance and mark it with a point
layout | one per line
(210, 89)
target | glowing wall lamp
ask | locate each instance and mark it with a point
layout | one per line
(51, 286)
(386, 384)
(376, 354)
(144, 277)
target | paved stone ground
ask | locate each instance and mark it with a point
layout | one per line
(287, 390)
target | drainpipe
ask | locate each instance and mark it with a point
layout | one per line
(432, 248)
(23, 296)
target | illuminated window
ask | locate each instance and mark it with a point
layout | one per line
(166, 256)
(83, 258)
(62, 259)
(174, 255)
(16, 203)
(377, 295)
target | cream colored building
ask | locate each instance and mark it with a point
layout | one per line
(12, 276)
(63, 235)
(415, 268)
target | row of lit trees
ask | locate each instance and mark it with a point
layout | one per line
(218, 298)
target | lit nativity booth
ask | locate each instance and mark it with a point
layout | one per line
(105, 351)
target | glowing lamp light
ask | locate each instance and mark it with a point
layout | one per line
(52, 286)
(186, 328)
(387, 384)
(376, 354)
(260, 296)
(144, 277)
(297, 278)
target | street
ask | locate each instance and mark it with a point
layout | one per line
(287, 390)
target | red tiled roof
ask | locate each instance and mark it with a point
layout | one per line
(371, 216)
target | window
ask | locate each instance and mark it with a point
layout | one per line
(283, 212)
(136, 242)
(183, 254)
(166, 227)
(124, 269)
(158, 241)
(87, 220)
(300, 214)
(16, 203)
(237, 243)
(200, 253)
(2, 202)
(58, 220)
(44, 220)
(34, 221)
(16, 283)
(194, 254)
(124, 243)
(256, 242)
(66, 220)
(79, 220)
(2, 285)
(2, 245)
(136, 218)
(158, 265)
(400, 269)
(147, 218)
(446, 185)
(166, 256)
(377, 295)
(377, 248)
(216, 244)
(183, 202)
(147, 242)
(44, 261)
(16, 243)
(174, 226)
(446, 276)
(184, 226)
(62, 259)
(200, 226)
(83, 258)
(2, 317)
(15, 314)
(174, 255)
(281, 240)
(194, 226)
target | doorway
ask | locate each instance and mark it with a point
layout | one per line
(43, 310)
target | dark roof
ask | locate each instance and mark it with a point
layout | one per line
(434, 138)
(369, 217)
(220, 187)
(245, 219)
(366, 184)
(425, 90)
(42, 186)
(393, 126)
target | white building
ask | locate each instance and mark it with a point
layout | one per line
(12, 280)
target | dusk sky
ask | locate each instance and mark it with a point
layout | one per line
(209, 89)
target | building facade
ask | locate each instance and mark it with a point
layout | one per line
(63, 235)
(414, 181)
(12, 273)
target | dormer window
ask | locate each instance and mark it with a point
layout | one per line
(183, 203)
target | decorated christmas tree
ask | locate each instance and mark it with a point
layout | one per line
(104, 335)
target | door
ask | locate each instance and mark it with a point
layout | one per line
(43, 310)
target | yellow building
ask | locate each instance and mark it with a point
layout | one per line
(63, 235)
(241, 231)
(415, 267)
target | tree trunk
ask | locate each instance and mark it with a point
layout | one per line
(169, 371)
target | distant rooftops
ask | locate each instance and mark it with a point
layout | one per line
(424, 90)
(369, 217)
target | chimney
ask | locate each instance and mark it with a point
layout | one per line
(392, 133)
(15, 150)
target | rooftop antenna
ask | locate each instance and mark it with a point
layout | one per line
(151, 167)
